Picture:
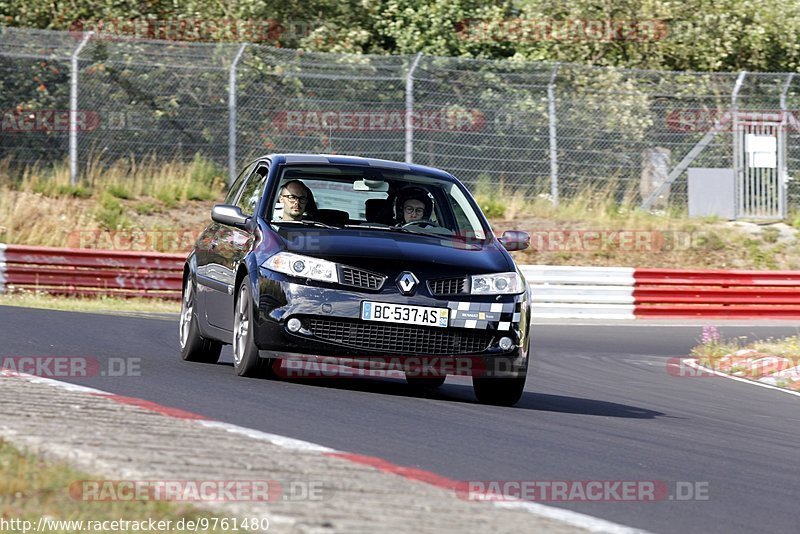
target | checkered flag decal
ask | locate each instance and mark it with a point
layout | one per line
(484, 315)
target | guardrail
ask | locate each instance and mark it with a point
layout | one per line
(627, 293)
(566, 292)
(560, 292)
(691, 293)
(85, 272)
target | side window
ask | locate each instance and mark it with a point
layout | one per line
(237, 184)
(252, 190)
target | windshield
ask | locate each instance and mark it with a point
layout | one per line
(340, 196)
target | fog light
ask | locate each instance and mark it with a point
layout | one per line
(294, 325)
(506, 343)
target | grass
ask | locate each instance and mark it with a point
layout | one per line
(147, 195)
(127, 179)
(712, 346)
(758, 360)
(120, 195)
(88, 304)
(110, 213)
(145, 208)
(787, 346)
(664, 239)
(31, 488)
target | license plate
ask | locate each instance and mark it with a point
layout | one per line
(400, 313)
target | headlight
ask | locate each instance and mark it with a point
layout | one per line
(302, 267)
(497, 284)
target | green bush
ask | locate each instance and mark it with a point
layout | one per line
(50, 188)
(119, 191)
(490, 197)
(145, 208)
(770, 234)
(110, 213)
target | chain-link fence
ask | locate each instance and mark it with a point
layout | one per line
(539, 128)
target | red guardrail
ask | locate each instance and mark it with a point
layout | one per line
(656, 292)
(693, 293)
(91, 272)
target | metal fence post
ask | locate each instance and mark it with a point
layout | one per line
(783, 173)
(551, 100)
(232, 116)
(73, 110)
(737, 149)
(410, 109)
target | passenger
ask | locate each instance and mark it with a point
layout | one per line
(413, 204)
(297, 200)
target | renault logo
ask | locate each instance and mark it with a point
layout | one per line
(407, 282)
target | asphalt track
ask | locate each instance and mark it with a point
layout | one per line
(599, 405)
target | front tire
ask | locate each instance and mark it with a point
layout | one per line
(246, 361)
(194, 347)
(499, 391)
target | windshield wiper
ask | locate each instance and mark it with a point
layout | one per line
(381, 227)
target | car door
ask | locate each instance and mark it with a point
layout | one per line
(224, 250)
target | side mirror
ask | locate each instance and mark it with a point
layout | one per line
(515, 240)
(229, 216)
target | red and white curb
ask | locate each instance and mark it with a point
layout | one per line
(702, 369)
(590, 523)
(570, 292)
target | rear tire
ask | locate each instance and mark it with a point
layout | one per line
(194, 347)
(246, 361)
(499, 391)
(425, 382)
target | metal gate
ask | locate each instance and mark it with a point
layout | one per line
(760, 154)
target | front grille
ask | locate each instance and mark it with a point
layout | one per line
(447, 286)
(362, 279)
(401, 338)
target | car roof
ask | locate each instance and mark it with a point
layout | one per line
(338, 159)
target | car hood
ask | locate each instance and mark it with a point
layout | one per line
(393, 252)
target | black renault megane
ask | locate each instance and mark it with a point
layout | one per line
(362, 262)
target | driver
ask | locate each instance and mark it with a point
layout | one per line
(297, 200)
(413, 204)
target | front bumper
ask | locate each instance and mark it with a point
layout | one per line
(332, 329)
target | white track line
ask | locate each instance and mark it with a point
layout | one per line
(692, 362)
(283, 442)
(590, 523)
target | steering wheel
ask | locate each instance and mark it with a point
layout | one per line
(422, 223)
